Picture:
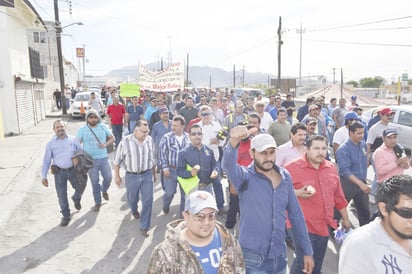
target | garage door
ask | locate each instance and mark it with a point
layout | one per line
(25, 106)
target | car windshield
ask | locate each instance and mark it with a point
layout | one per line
(82, 97)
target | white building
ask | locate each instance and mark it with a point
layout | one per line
(21, 78)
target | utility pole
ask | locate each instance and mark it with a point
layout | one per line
(210, 82)
(84, 65)
(234, 76)
(334, 82)
(58, 26)
(341, 83)
(280, 42)
(243, 77)
(187, 70)
(300, 56)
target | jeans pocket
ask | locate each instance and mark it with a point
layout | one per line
(252, 260)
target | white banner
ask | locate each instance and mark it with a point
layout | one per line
(170, 79)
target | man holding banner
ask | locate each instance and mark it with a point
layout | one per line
(169, 147)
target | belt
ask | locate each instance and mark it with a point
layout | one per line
(174, 167)
(204, 184)
(66, 169)
(137, 173)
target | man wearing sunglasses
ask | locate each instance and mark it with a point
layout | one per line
(200, 158)
(384, 245)
(210, 130)
(197, 244)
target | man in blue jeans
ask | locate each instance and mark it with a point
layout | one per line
(170, 146)
(266, 197)
(59, 151)
(95, 137)
(136, 154)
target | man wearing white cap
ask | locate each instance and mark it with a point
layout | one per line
(197, 244)
(266, 194)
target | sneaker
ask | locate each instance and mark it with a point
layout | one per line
(65, 221)
(96, 208)
(77, 205)
(136, 215)
(105, 196)
(222, 211)
(166, 210)
(144, 232)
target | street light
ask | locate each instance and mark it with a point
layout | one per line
(59, 30)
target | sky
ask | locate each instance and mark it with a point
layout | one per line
(363, 38)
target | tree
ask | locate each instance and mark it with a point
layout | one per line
(353, 83)
(370, 82)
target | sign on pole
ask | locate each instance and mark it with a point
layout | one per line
(80, 53)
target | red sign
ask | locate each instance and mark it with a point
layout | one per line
(80, 52)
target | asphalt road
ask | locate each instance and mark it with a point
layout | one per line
(105, 242)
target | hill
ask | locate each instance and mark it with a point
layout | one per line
(200, 76)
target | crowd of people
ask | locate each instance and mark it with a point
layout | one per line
(290, 179)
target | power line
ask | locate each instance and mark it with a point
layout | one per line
(361, 24)
(378, 29)
(360, 43)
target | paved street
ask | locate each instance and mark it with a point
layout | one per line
(106, 242)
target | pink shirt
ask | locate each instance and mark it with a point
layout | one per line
(287, 152)
(385, 163)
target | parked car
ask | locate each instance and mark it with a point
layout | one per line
(402, 121)
(79, 99)
(254, 92)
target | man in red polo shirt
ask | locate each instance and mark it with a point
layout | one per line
(317, 186)
(116, 112)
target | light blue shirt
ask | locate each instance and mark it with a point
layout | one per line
(60, 151)
(90, 144)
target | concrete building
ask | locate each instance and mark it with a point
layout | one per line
(21, 77)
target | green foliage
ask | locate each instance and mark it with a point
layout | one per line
(370, 82)
(353, 83)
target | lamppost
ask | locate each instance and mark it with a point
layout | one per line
(59, 30)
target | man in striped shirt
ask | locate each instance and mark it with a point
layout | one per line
(136, 154)
(170, 146)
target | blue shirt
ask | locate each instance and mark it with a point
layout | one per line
(352, 160)
(169, 149)
(263, 209)
(90, 144)
(192, 156)
(61, 152)
(159, 130)
(134, 112)
(149, 111)
(210, 255)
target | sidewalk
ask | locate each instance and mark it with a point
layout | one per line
(20, 164)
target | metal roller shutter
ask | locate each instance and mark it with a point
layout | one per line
(25, 106)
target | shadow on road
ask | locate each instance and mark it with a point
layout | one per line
(46, 246)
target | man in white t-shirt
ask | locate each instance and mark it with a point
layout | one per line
(96, 103)
(384, 245)
(342, 134)
(210, 131)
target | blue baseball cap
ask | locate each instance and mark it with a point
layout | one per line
(351, 115)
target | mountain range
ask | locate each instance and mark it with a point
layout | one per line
(201, 76)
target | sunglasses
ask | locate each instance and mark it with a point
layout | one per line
(404, 213)
(196, 134)
(202, 217)
(205, 114)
